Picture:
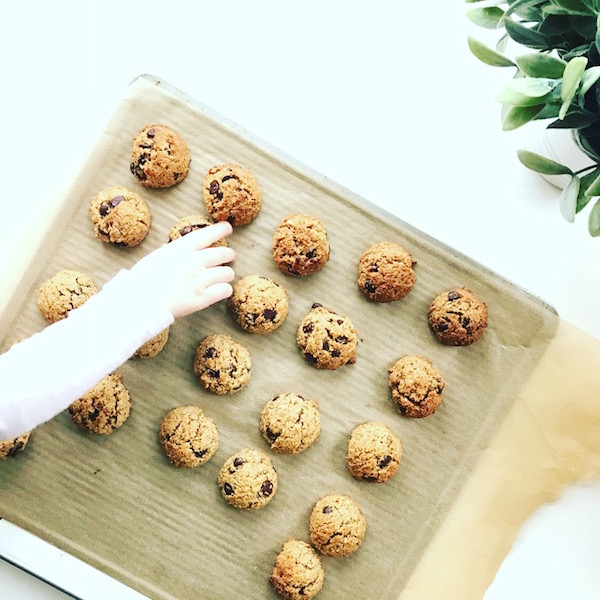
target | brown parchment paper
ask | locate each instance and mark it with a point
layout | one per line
(518, 422)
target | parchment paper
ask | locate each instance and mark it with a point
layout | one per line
(469, 476)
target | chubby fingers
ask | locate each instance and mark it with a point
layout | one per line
(214, 275)
(212, 257)
(205, 237)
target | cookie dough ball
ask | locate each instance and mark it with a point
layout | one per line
(326, 339)
(385, 272)
(191, 223)
(337, 525)
(374, 452)
(63, 292)
(417, 386)
(248, 480)
(188, 437)
(290, 423)
(153, 346)
(160, 157)
(231, 193)
(298, 573)
(120, 217)
(104, 408)
(458, 317)
(222, 365)
(258, 304)
(300, 245)
(10, 448)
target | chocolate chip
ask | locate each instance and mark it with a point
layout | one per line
(311, 254)
(453, 295)
(335, 352)
(238, 462)
(231, 218)
(104, 208)
(370, 287)
(267, 488)
(442, 326)
(308, 327)
(116, 201)
(175, 176)
(271, 434)
(151, 133)
(316, 305)
(214, 187)
(310, 358)
(210, 352)
(93, 415)
(185, 230)
(385, 461)
(326, 345)
(328, 510)
(16, 449)
(269, 314)
(228, 489)
(146, 146)
(342, 339)
(216, 373)
(228, 177)
(200, 453)
(374, 269)
(132, 168)
(139, 173)
(340, 321)
(369, 478)
(466, 321)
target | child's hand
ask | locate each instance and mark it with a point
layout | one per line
(187, 273)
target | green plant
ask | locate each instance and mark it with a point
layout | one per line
(559, 82)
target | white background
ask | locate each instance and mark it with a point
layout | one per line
(383, 97)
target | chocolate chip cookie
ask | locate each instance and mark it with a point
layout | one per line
(191, 223)
(231, 193)
(160, 157)
(120, 216)
(337, 525)
(248, 480)
(188, 437)
(385, 272)
(222, 365)
(153, 346)
(63, 292)
(298, 573)
(258, 304)
(417, 386)
(458, 317)
(104, 408)
(300, 245)
(327, 340)
(10, 448)
(374, 452)
(290, 423)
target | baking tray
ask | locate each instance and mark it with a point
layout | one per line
(117, 503)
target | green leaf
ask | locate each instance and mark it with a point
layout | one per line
(526, 36)
(541, 65)
(568, 199)
(571, 79)
(570, 7)
(502, 43)
(517, 116)
(520, 5)
(586, 180)
(488, 18)
(594, 188)
(589, 78)
(573, 120)
(487, 55)
(514, 99)
(541, 164)
(531, 86)
(597, 39)
(594, 220)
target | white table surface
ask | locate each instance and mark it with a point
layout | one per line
(383, 97)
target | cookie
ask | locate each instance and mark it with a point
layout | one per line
(188, 437)
(326, 339)
(385, 272)
(191, 223)
(160, 157)
(417, 386)
(337, 525)
(120, 216)
(458, 317)
(258, 304)
(222, 365)
(63, 292)
(248, 480)
(104, 408)
(153, 346)
(298, 573)
(374, 452)
(290, 423)
(300, 245)
(10, 448)
(231, 193)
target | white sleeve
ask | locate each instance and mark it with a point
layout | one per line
(44, 374)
